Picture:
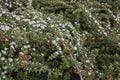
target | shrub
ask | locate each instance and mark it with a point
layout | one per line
(39, 46)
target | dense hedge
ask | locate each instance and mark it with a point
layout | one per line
(59, 40)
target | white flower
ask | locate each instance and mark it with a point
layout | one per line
(101, 27)
(28, 46)
(6, 61)
(90, 16)
(2, 73)
(32, 63)
(21, 53)
(54, 42)
(24, 29)
(33, 49)
(4, 52)
(62, 39)
(12, 47)
(57, 38)
(89, 73)
(63, 26)
(118, 34)
(87, 61)
(27, 41)
(4, 77)
(10, 5)
(25, 46)
(118, 44)
(78, 44)
(7, 28)
(3, 12)
(48, 18)
(57, 53)
(70, 44)
(86, 55)
(3, 58)
(105, 33)
(61, 33)
(59, 49)
(38, 25)
(30, 23)
(14, 16)
(63, 30)
(52, 26)
(17, 18)
(101, 73)
(35, 17)
(5, 49)
(42, 54)
(86, 10)
(5, 67)
(5, 72)
(3, 27)
(42, 27)
(26, 20)
(60, 52)
(96, 21)
(10, 60)
(75, 48)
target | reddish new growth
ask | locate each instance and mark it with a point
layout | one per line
(68, 51)
(46, 44)
(4, 39)
(22, 57)
(60, 42)
(30, 48)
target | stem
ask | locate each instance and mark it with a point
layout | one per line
(77, 67)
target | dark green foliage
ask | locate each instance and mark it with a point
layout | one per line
(97, 23)
(55, 6)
